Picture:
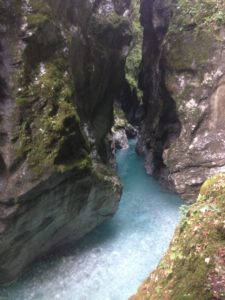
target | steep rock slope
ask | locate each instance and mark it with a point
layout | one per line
(183, 82)
(61, 62)
(194, 266)
(161, 124)
(131, 96)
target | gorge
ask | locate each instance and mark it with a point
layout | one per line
(103, 264)
(77, 79)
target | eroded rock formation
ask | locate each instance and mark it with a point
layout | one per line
(61, 63)
(122, 130)
(161, 124)
(182, 139)
(182, 77)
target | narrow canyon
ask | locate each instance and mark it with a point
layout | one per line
(112, 149)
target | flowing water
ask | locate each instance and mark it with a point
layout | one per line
(112, 261)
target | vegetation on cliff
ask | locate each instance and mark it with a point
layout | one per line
(44, 97)
(194, 27)
(194, 266)
(56, 187)
(133, 60)
(198, 14)
(194, 64)
(64, 71)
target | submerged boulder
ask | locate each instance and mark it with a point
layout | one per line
(194, 265)
(60, 65)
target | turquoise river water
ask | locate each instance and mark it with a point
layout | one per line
(112, 261)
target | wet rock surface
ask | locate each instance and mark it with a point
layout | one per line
(182, 137)
(122, 130)
(61, 62)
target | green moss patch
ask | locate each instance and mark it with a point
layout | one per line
(194, 266)
(193, 33)
(40, 13)
(50, 135)
(133, 60)
(187, 52)
(207, 15)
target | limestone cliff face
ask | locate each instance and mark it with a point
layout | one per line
(194, 265)
(161, 124)
(183, 81)
(60, 63)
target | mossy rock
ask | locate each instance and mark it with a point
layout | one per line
(110, 31)
(207, 15)
(50, 137)
(39, 13)
(193, 33)
(194, 266)
(133, 61)
(188, 52)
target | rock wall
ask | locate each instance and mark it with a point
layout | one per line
(182, 139)
(194, 265)
(60, 69)
(182, 78)
(122, 130)
(103, 43)
(161, 124)
(131, 96)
